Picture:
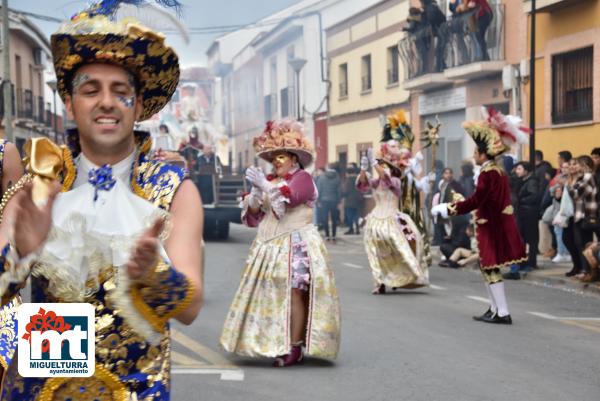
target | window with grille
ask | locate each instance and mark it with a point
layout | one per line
(392, 65)
(572, 86)
(366, 73)
(343, 74)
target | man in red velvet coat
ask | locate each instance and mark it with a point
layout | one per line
(498, 237)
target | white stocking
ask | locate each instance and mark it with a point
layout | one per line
(499, 296)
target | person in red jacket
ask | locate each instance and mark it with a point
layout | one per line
(500, 243)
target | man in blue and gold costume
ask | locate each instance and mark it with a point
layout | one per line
(110, 74)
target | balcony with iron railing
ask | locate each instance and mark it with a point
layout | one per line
(420, 52)
(453, 51)
(469, 56)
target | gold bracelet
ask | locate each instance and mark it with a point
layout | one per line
(12, 191)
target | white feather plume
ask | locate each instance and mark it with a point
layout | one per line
(153, 17)
(510, 127)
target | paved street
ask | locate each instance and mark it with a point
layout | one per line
(408, 345)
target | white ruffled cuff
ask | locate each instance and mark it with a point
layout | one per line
(278, 200)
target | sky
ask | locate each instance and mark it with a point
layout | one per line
(196, 13)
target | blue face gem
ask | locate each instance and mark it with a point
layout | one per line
(129, 102)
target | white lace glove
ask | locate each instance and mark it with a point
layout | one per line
(257, 178)
(423, 185)
(440, 210)
(415, 164)
(371, 158)
(364, 163)
(255, 198)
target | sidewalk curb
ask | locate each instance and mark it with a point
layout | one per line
(564, 284)
(558, 283)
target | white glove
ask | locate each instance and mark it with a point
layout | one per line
(415, 164)
(257, 178)
(440, 210)
(423, 185)
(371, 158)
(255, 198)
(364, 163)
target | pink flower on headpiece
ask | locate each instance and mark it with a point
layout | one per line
(297, 126)
(269, 126)
(290, 142)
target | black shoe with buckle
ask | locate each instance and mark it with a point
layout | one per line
(487, 314)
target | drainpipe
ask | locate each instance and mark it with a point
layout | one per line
(532, 88)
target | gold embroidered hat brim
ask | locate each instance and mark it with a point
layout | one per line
(138, 50)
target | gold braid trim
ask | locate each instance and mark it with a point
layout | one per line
(71, 172)
(12, 191)
(136, 167)
(119, 392)
(159, 322)
(504, 264)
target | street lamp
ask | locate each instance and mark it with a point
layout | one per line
(297, 64)
(52, 85)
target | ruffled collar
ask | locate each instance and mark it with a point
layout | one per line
(143, 141)
(121, 170)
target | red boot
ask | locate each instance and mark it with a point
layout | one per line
(295, 357)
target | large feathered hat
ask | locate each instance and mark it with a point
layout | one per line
(398, 129)
(95, 36)
(496, 133)
(284, 135)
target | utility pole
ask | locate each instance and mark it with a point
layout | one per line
(6, 82)
(532, 88)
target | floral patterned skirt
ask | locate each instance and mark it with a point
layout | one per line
(394, 247)
(258, 321)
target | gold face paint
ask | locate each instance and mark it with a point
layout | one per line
(281, 158)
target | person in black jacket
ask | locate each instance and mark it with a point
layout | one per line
(466, 180)
(528, 203)
(435, 18)
(329, 189)
(353, 200)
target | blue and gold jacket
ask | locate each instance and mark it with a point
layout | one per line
(128, 365)
(8, 311)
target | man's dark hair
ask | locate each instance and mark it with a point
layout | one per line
(448, 169)
(482, 148)
(526, 166)
(539, 155)
(595, 152)
(163, 126)
(565, 155)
